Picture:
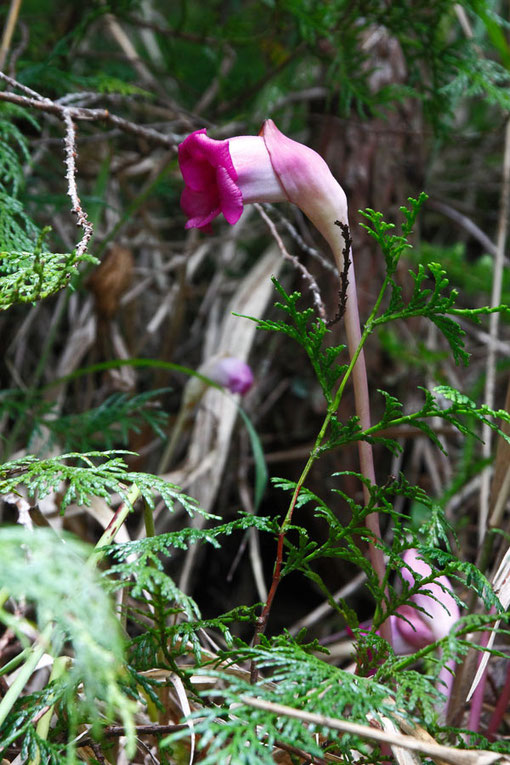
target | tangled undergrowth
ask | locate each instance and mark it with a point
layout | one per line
(303, 560)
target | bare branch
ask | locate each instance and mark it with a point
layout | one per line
(68, 114)
(35, 101)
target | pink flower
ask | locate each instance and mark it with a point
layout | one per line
(439, 616)
(230, 373)
(440, 610)
(223, 176)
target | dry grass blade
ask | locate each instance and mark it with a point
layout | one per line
(183, 700)
(215, 421)
(497, 286)
(436, 751)
(501, 586)
(403, 756)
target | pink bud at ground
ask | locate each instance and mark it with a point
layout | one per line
(230, 373)
(438, 612)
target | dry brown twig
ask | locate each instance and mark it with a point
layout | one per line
(314, 288)
(434, 750)
(34, 100)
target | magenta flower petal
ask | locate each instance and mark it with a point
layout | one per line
(200, 207)
(210, 178)
(199, 156)
(231, 198)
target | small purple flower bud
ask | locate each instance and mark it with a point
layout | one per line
(231, 373)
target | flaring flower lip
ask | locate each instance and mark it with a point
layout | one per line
(210, 181)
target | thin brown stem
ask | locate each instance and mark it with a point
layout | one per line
(362, 406)
(9, 28)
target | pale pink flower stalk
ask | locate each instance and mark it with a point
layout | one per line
(223, 176)
(437, 615)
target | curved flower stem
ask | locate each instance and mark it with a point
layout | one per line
(357, 369)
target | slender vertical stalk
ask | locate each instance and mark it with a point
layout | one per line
(16, 688)
(357, 371)
(8, 32)
(113, 527)
(497, 286)
(362, 405)
(60, 666)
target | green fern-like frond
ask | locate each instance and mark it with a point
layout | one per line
(17, 230)
(432, 303)
(13, 147)
(109, 424)
(233, 731)
(436, 304)
(72, 610)
(310, 332)
(460, 414)
(393, 245)
(106, 426)
(29, 276)
(479, 76)
(96, 474)
(147, 550)
(137, 565)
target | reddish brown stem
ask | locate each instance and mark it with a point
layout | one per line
(262, 620)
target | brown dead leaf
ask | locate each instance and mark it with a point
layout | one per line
(111, 279)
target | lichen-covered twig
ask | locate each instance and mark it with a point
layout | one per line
(72, 191)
